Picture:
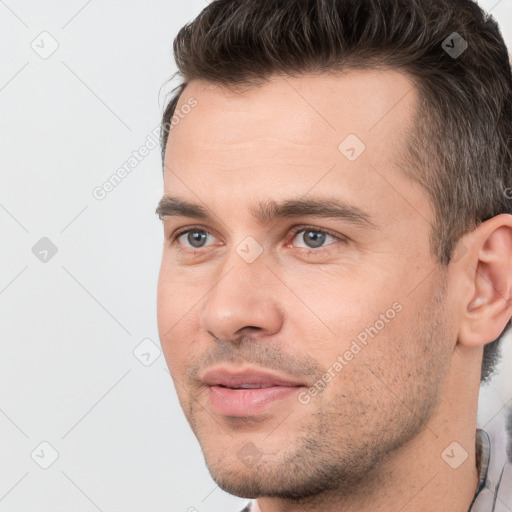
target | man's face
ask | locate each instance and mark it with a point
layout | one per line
(347, 316)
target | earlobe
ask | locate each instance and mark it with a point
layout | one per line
(488, 265)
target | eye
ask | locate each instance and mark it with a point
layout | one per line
(194, 236)
(313, 238)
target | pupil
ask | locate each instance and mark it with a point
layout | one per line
(196, 238)
(315, 237)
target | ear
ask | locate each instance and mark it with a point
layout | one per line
(487, 274)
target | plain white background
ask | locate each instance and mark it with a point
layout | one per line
(80, 91)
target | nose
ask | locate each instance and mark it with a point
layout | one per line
(243, 301)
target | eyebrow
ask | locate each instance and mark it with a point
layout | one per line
(267, 211)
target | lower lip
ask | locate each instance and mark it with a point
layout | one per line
(247, 402)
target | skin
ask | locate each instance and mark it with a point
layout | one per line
(373, 439)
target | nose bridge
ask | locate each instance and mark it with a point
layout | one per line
(242, 295)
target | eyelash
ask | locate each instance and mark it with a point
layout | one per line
(308, 251)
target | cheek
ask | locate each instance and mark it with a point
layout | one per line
(361, 321)
(174, 324)
(177, 296)
(339, 306)
(178, 349)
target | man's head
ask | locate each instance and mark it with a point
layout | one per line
(459, 148)
(376, 311)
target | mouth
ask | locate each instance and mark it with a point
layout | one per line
(247, 386)
(247, 392)
(243, 401)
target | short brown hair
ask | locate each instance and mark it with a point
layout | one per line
(460, 150)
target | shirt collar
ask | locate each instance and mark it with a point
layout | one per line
(483, 456)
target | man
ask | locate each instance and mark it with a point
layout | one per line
(336, 273)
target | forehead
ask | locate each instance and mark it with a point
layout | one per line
(331, 132)
(306, 109)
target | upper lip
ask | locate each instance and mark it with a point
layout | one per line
(235, 378)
